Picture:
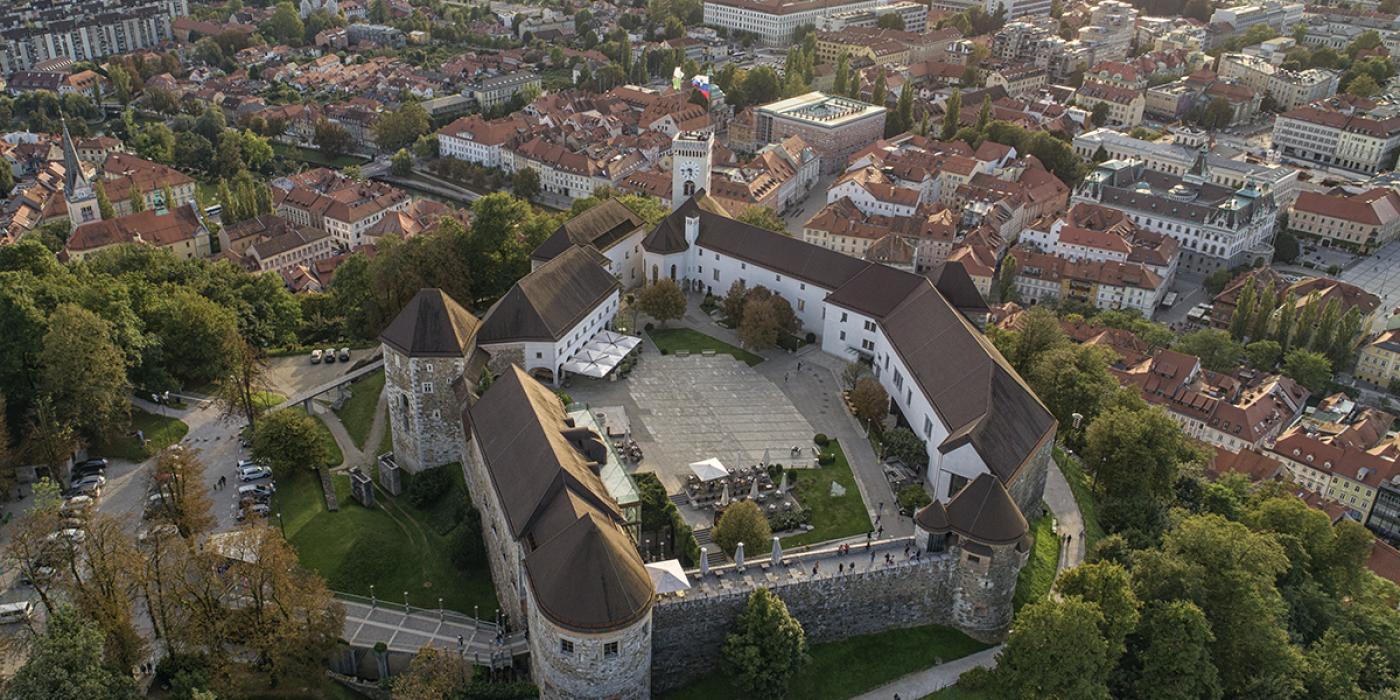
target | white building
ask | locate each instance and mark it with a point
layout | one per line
(1334, 134)
(774, 23)
(1177, 157)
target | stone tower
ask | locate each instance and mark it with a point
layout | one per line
(427, 348)
(690, 165)
(985, 533)
(78, 193)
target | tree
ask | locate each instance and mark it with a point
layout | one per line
(1039, 333)
(733, 303)
(1229, 572)
(760, 326)
(1363, 86)
(194, 332)
(951, 111)
(66, 662)
(877, 90)
(289, 440)
(240, 389)
(1033, 663)
(1099, 114)
(1198, 9)
(525, 183)
(1336, 668)
(742, 522)
(1108, 586)
(1263, 355)
(662, 300)
(177, 477)
(402, 163)
(1311, 369)
(333, 139)
(192, 151)
(1240, 320)
(228, 155)
(1101, 155)
(104, 205)
(84, 372)
(767, 647)
(903, 114)
(869, 401)
(285, 25)
(764, 218)
(1133, 451)
(904, 444)
(1216, 349)
(1218, 114)
(401, 128)
(1073, 379)
(890, 20)
(156, 142)
(433, 674)
(843, 71)
(101, 582)
(256, 150)
(984, 117)
(1169, 654)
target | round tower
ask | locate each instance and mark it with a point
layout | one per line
(985, 533)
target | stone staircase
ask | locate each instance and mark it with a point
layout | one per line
(717, 556)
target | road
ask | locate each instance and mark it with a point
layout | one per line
(816, 199)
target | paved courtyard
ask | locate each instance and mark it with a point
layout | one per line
(1379, 274)
(686, 409)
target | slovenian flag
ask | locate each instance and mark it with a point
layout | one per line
(701, 83)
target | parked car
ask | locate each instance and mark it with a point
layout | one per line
(344, 355)
(98, 479)
(85, 488)
(249, 463)
(39, 574)
(315, 357)
(89, 463)
(165, 528)
(75, 505)
(16, 612)
(254, 473)
(80, 472)
(259, 509)
(329, 355)
(250, 490)
(71, 534)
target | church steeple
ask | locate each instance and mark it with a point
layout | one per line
(80, 195)
(1199, 174)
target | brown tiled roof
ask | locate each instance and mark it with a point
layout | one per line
(584, 570)
(552, 299)
(150, 227)
(432, 325)
(601, 227)
(983, 511)
(1374, 207)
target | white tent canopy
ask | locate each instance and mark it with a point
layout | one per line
(601, 354)
(709, 470)
(668, 576)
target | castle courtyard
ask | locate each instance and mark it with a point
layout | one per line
(686, 409)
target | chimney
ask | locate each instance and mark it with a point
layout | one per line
(692, 229)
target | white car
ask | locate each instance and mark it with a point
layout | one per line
(259, 509)
(315, 357)
(77, 505)
(253, 473)
(73, 535)
(255, 490)
(98, 479)
(243, 463)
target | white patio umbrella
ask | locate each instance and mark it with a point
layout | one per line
(709, 469)
(668, 576)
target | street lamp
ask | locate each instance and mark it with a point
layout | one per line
(372, 601)
(405, 601)
(283, 524)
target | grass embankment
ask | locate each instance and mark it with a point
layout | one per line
(843, 669)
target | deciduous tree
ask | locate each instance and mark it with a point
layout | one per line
(742, 522)
(84, 372)
(764, 218)
(662, 300)
(1169, 655)
(66, 662)
(767, 647)
(1033, 663)
(288, 440)
(869, 400)
(1311, 369)
(760, 327)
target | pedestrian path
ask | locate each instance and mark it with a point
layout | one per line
(931, 680)
(1068, 520)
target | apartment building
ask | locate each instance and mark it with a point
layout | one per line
(1290, 89)
(1359, 222)
(1379, 362)
(344, 208)
(498, 90)
(835, 127)
(83, 30)
(1336, 133)
(774, 21)
(1125, 105)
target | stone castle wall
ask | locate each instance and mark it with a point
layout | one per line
(615, 665)
(426, 424)
(690, 631)
(1028, 487)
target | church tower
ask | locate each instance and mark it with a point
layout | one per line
(78, 193)
(690, 165)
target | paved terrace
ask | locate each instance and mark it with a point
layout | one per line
(760, 570)
(407, 629)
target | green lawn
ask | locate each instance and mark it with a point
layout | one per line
(357, 413)
(1038, 576)
(670, 340)
(1083, 495)
(267, 400)
(395, 546)
(850, 667)
(160, 431)
(332, 448)
(386, 441)
(833, 517)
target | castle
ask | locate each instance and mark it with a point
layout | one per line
(559, 525)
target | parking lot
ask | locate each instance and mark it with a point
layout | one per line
(292, 374)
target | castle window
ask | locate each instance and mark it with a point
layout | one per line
(427, 387)
(539, 356)
(610, 649)
(566, 646)
(428, 366)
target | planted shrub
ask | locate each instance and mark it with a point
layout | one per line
(821, 439)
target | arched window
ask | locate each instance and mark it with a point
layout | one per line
(688, 188)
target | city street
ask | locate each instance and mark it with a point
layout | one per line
(816, 199)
